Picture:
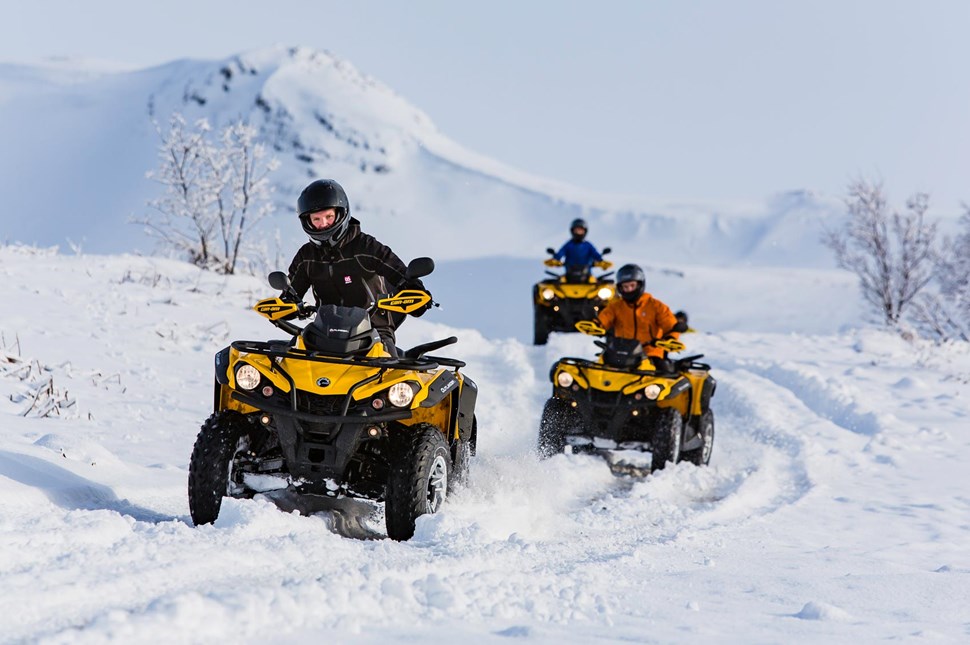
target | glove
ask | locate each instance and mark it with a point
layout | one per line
(603, 264)
(552, 262)
(420, 312)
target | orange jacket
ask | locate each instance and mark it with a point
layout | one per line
(646, 320)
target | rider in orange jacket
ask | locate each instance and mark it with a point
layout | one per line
(639, 315)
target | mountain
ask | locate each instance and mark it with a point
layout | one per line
(79, 139)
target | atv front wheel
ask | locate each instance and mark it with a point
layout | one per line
(417, 483)
(668, 430)
(223, 436)
(552, 428)
(705, 428)
(461, 454)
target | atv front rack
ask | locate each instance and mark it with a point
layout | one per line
(680, 365)
(282, 350)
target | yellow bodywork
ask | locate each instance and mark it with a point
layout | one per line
(405, 302)
(574, 291)
(342, 377)
(630, 383)
(275, 308)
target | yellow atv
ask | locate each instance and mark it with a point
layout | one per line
(569, 297)
(331, 413)
(621, 402)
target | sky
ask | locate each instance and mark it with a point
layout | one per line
(700, 100)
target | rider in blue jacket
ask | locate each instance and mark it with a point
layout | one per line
(578, 255)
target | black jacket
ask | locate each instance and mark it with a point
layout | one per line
(338, 274)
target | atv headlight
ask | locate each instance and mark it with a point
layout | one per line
(400, 394)
(247, 377)
(652, 391)
(605, 293)
(565, 379)
(548, 294)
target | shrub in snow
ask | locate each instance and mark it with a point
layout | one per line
(37, 395)
(944, 312)
(892, 253)
(216, 189)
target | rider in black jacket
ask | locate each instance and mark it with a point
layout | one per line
(341, 264)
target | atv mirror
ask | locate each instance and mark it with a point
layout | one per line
(606, 250)
(278, 280)
(419, 267)
(551, 251)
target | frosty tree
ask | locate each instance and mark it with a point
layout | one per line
(216, 189)
(892, 253)
(944, 312)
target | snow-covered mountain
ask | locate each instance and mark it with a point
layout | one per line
(78, 140)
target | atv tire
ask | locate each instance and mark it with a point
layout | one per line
(417, 482)
(552, 428)
(668, 431)
(222, 437)
(461, 454)
(540, 334)
(705, 428)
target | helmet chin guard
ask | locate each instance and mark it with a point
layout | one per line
(318, 196)
(330, 235)
(630, 273)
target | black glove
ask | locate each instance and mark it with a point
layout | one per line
(420, 312)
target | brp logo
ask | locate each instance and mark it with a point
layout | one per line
(323, 381)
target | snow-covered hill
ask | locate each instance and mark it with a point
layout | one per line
(78, 140)
(833, 509)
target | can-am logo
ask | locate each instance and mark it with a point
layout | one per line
(323, 381)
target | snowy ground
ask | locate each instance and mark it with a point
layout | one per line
(834, 508)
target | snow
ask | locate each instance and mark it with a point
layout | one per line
(832, 508)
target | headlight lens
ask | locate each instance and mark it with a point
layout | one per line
(247, 377)
(652, 391)
(605, 293)
(565, 379)
(548, 294)
(400, 394)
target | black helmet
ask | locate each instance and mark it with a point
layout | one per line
(578, 223)
(321, 195)
(630, 273)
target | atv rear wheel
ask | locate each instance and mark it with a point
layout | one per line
(552, 428)
(668, 430)
(223, 436)
(417, 483)
(540, 335)
(705, 428)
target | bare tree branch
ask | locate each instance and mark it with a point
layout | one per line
(891, 253)
(214, 192)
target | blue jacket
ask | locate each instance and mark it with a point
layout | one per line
(578, 254)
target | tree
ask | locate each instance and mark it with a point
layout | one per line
(215, 192)
(945, 311)
(892, 253)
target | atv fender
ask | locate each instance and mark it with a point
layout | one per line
(466, 410)
(439, 388)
